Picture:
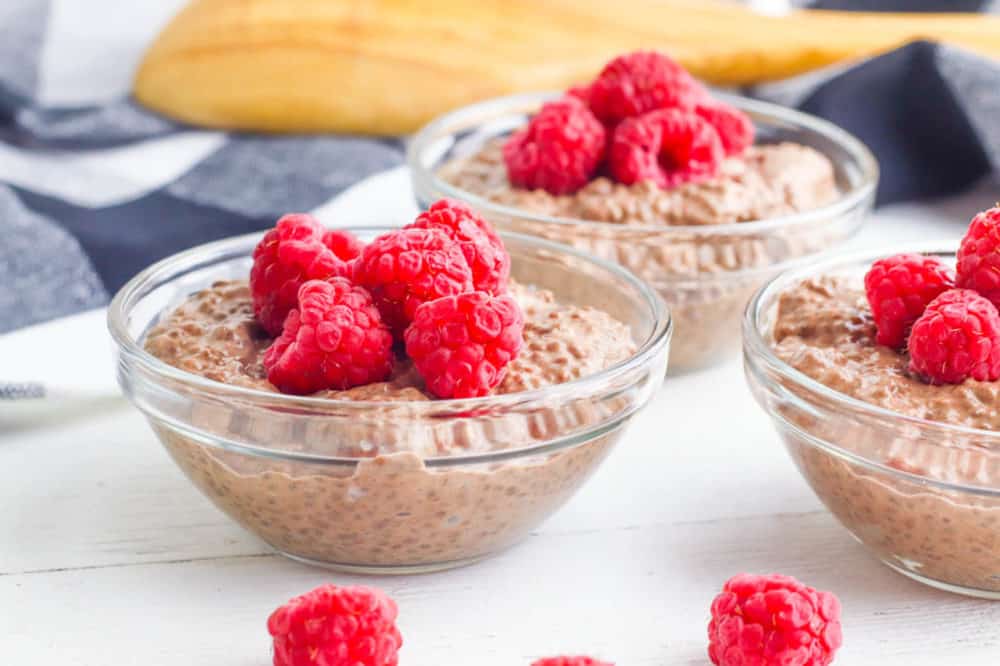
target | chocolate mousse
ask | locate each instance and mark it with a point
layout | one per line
(387, 508)
(766, 181)
(823, 327)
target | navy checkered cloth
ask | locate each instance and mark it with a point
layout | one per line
(90, 193)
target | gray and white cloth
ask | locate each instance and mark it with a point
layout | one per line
(93, 187)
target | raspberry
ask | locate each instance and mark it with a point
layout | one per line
(461, 345)
(335, 339)
(558, 151)
(482, 247)
(979, 256)
(570, 661)
(772, 620)
(288, 255)
(639, 82)
(343, 243)
(405, 268)
(898, 289)
(581, 92)
(957, 336)
(734, 127)
(336, 626)
(668, 147)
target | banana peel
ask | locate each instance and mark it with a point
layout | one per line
(389, 66)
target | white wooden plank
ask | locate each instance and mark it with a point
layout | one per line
(639, 596)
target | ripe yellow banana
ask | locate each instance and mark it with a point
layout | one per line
(388, 66)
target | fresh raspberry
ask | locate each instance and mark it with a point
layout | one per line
(461, 345)
(668, 147)
(335, 339)
(898, 289)
(405, 268)
(734, 127)
(558, 151)
(336, 626)
(639, 82)
(482, 247)
(957, 336)
(979, 256)
(773, 620)
(581, 92)
(343, 243)
(289, 254)
(570, 661)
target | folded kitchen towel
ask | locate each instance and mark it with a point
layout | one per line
(93, 188)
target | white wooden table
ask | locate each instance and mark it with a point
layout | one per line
(109, 557)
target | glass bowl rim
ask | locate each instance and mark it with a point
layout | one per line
(216, 252)
(853, 198)
(757, 352)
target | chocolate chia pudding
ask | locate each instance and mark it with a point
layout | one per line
(394, 507)
(667, 237)
(943, 534)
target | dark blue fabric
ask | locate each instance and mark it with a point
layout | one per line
(902, 108)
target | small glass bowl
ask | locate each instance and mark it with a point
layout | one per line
(923, 496)
(462, 479)
(705, 273)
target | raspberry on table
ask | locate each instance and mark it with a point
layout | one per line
(336, 626)
(405, 268)
(334, 339)
(570, 661)
(898, 288)
(636, 83)
(581, 92)
(482, 247)
(343, 243)
(773, 620)
(734, 127)
(461, 345)
(668, 147)
(558, 151)
(289, 254)
(957, 337)
(979, 256)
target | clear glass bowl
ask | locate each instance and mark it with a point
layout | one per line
(287, 468)
(922, 495)
(706, 273)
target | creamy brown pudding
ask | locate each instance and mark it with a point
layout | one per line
(391, 509)
(767, 181)
(823, 328)
(705, 278)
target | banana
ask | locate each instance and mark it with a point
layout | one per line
(388, 66)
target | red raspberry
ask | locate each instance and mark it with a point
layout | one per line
(288, 255)
(898, 289)
(581, 92)
(734, 127)
(405, 268)
(343, 243)
(336, 626)
(668, 147)
(461, 345)
(773, 620)
(570, 661)
(335, 339)
(558, 151)
(979, 256)
(639, 82)
(957, 336)
(482, 247)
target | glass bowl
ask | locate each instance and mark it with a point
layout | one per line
(705, 273)
(393, 486)
(922, 495)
